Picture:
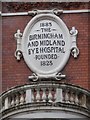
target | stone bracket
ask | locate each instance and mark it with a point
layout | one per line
(34, 77)
(18, 52)
(74, 48)
(36, 11)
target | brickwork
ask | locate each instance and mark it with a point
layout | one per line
(16, 73)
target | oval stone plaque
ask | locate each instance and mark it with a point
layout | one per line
(46, 44)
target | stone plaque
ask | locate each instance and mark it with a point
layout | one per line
(46, 44)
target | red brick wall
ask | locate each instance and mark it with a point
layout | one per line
(16, 73)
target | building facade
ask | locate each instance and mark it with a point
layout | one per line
(24, 93)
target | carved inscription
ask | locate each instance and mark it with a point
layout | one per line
(46, 43)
